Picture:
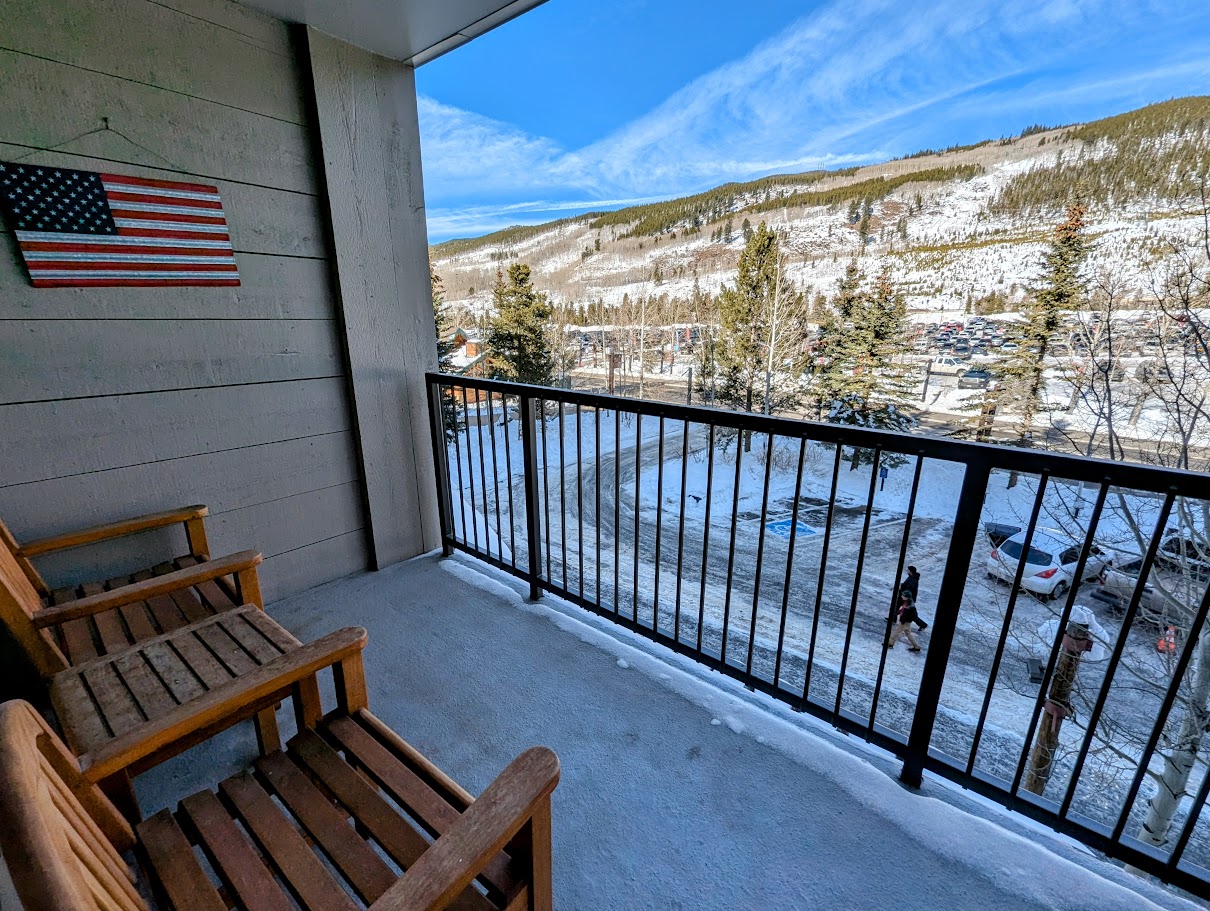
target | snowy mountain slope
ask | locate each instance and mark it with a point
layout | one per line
(946, 241)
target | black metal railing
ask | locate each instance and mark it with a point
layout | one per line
(1064, 673)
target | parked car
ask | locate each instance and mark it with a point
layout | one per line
(947, 365)
(1050, 566)
(999, 532)
(962, 349)
(975, 378)
(1117, 585)
(1009, 346)
(1181, 554)
(1152, 372)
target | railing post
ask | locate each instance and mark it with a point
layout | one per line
(963, 539)
(440, 466)
(533, 533)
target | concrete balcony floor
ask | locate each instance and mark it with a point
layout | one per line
(680, 789)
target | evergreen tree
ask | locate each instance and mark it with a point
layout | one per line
(760, 333)
(441, 323)
(859, 376)
(1062, 289)
(445, 352)
(517, 342)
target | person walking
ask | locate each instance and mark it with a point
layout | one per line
(903, 629)
(911, 583)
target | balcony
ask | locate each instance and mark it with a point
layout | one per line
(1062, 674)
(680, 788)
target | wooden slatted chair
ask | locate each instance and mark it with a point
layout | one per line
(104, 679)
(312, 827)
(95, 633)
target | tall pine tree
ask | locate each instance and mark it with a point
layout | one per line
(860, 377)
(1062, 289)
(441, 322)
(755, 363)
(445, 352)
(517, 341)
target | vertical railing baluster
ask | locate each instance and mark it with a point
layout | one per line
(508, 471)
(739, 462)
(458, 461)
(638, 477)
(580, 498)
(562, 496)
(680, 538)
(487, 525)
(491, 429)
(1178, 676)
(470, 469)
(617, 511)
(903, 546)
(545, 490)
(441, 465)
(1136, 598)
(448, 394)
(760, 551)
(823, 566)
(701, 604)
(785, 592)
(596, 429)
(533, 534)
(945, 623)
(1015, 589)
(865, 537)
(1195, 813)
(1061, 631)
(659, 522)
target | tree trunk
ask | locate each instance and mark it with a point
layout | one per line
(1179, 762)
(1057, 707)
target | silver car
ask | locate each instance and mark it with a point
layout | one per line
(1050, 567)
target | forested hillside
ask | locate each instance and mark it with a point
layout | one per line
(956, 228)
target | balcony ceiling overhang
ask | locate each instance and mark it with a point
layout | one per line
(414, 31)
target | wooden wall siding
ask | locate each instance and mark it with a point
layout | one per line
(366, 111)
(117, 401)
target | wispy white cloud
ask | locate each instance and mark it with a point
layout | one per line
(841, 85)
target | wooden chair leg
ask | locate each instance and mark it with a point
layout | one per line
(268, 739)
(531, 853)
(119, 789)
(541, 887)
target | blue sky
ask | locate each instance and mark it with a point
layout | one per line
(582, 105)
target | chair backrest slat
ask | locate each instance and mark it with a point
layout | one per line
(19, 601)
(9, 540)
(57, 855)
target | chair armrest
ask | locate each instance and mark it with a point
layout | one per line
(267, 684)
(150, 588)
(111, 530)
(453, 861)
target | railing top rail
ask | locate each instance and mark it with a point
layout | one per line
(1131, 475)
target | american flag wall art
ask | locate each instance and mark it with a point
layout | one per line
(84, 229)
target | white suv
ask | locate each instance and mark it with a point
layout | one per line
(947, 366)
(1050, 566)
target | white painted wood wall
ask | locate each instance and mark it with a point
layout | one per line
(118, 401)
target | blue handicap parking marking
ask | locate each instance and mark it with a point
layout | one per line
(782, 527)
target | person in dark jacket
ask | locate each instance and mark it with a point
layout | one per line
(911, 583)
(903, 629)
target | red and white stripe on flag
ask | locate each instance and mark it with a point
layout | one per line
(84, 229)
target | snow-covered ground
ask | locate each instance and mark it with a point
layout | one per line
(672, 538)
